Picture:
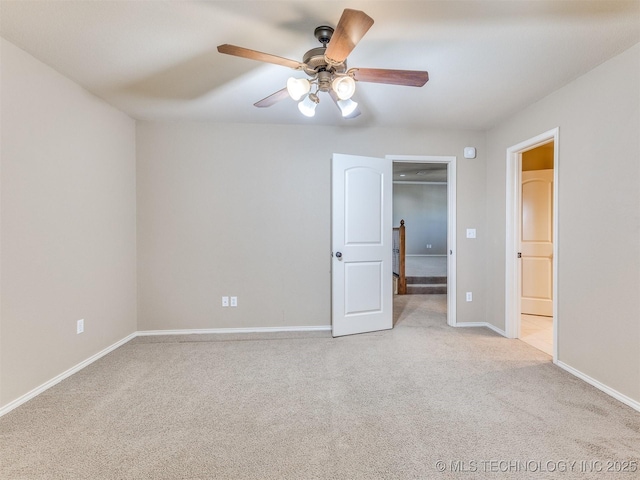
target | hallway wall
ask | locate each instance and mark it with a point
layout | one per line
(598, 116)
(423, 207)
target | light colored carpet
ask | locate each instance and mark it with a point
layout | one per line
(387, 405)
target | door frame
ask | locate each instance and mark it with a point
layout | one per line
(513, 286)
(451, 222)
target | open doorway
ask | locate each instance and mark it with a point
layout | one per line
(536, 247)
(424, 197)
(361, 241)
(531, 277)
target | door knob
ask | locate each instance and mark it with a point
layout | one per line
(338, 255)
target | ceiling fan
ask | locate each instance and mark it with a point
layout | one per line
(326, 67)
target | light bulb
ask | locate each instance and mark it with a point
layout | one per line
(298, 87)
(347, 107)
(308, 106)
(344, 87)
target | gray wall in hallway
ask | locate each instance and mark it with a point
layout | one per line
(423, 207)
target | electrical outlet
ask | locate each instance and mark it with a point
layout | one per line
(225, 301)
(428, 245)
(80, 326)
(469, 297)
(471, 233)
(234, 301)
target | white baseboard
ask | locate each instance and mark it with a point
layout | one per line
(601, 386)
(57, 379)
(196, 331)
(591, 381)
(482, 324)
(45, 386)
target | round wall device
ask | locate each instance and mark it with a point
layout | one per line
(469, 152)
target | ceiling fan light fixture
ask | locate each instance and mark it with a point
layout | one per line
(308, 106)
(344, 86)
(347, 107)
(326, 67)
(298, 87)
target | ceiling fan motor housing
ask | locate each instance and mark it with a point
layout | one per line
(314, 60)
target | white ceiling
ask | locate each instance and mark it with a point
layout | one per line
(158, 59)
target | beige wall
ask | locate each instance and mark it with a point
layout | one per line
(599, 218)
(245, 210)
(67, 225)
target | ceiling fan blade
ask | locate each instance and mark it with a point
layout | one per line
(272, 99)
(259, 56)
(409, 78)
(352, 26)
(335, 99)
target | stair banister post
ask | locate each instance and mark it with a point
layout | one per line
(402, 280)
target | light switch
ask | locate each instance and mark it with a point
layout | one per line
(471, 233)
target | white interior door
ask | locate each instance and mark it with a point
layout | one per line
(536, 243)
(362, 296)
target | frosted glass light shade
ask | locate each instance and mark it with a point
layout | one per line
(347, 107)
(307, 107)
(298, 87)
(344, 87)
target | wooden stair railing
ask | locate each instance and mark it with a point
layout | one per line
(402, 279)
